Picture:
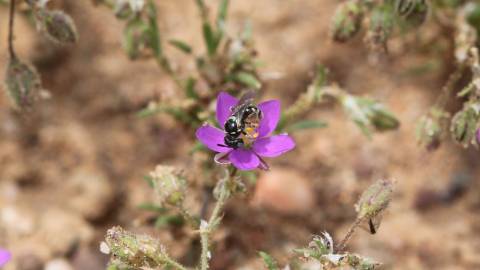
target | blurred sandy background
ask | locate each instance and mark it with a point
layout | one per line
(75, 167)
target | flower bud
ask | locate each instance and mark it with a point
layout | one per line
(134, 250)
(319, 246)
(367, 113)
(382, 119)
(464, 124)
(22, 83)
(134, 37)
(122, 9)
(414, 12)
(375, 199)
(473, 16)
(347, 20)
(58, 26)
(136, 5)
(169, 185)
(466, 33)
(380, 29)
(430, 128)
(404, 7)
(321, 249)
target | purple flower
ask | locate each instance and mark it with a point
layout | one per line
(4, 257)
(249, 155)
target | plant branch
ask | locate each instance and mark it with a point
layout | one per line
(213, 221)
(11, 20)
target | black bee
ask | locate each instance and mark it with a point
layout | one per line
(245, 116)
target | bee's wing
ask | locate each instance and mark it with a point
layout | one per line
(247, 97)
(238, 111)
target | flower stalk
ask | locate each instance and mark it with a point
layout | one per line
(343, 243)
(206, 228)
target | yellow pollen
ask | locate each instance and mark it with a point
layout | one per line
(250, 135)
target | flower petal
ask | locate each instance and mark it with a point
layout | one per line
(273, 146)
(271, 114)
(244, 159)
(211, 137)
(4, 257)
(222, 158)
(225, 102)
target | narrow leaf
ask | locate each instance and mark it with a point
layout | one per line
(210, 38)
(190, 88)
(247, 79)
(165, 220)
(269, 261)
(306, 124)
(246, 34)
(182, 46)
(153, 32)
(152, 208)
(222, 16)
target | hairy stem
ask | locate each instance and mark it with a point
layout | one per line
(204, 255)
(449, 86)
(11, 20)
(213, 221)
(173, 263)
(341, 246)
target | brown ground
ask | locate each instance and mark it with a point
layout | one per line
(74, 167)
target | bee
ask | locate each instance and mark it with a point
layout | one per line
(242, 123)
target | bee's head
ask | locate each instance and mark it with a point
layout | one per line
(231, 126)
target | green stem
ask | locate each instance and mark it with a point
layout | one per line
(11, 20)
(212, 222)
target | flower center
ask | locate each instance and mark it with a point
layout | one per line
(250, 135)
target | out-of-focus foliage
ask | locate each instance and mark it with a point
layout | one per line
(384, 18)
(23, 83)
